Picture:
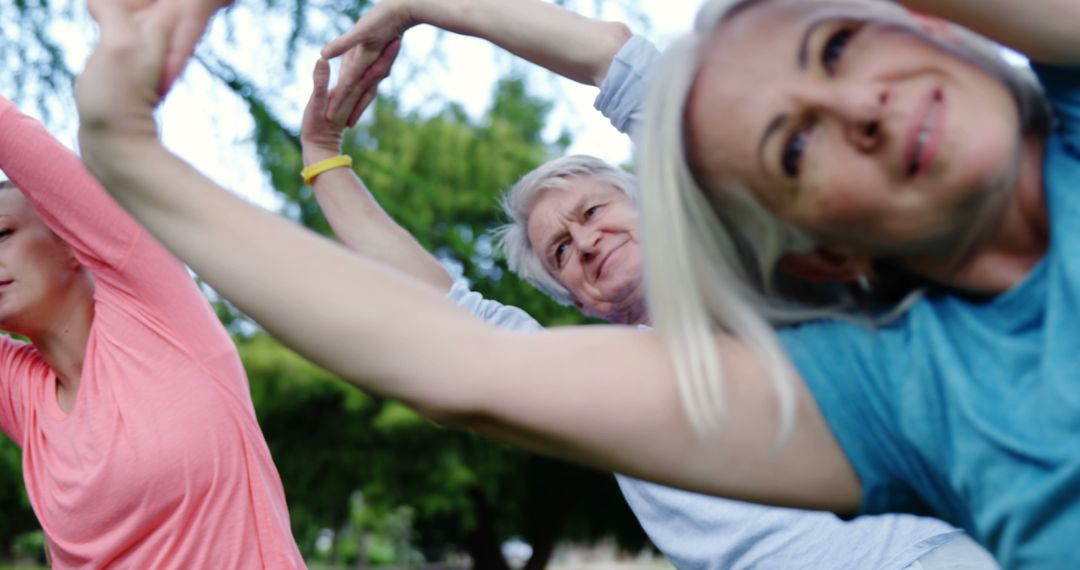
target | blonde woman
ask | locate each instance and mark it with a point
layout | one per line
(609, 397)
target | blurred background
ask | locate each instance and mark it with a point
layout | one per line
(369, 482)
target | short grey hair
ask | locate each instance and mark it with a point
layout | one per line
(518, 202)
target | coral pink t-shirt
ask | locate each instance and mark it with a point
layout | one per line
(161, 463)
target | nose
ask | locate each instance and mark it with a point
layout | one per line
(586, 241)
(857, 109)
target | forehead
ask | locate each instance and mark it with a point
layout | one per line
(556, 205)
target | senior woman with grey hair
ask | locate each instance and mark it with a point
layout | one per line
(926, 133)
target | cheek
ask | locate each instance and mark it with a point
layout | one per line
(47, 265)
(850, 198)
(570, 277)
(983, 130)
(988, 154)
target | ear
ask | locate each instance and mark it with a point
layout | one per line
(825, 266)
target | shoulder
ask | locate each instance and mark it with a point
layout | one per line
(492, 312)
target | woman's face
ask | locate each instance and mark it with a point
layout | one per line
(36, 267)
(868, 137)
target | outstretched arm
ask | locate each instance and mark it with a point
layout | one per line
(1043, 30)
(548, 35)
(603, 396)
(357, 219)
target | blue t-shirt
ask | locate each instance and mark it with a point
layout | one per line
(700, 532)
(970, 409)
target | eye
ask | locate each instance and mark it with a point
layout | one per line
(833, 49)
(591, 212)
(559, 251)
(4, 233)
(791, 155)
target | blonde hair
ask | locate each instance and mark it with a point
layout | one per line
(710, 259)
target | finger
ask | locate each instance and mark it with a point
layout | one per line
(362, 106)
(387, 58)
(346, 41)
(353, 66)
(320, 81)
(346, 98)
(362, 75)
(190, 26)
(157, 32)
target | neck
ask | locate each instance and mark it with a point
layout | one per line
(62, 343)
(633, 315)
(1012, 245)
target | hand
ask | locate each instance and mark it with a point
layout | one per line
(320, 132)
(118, 90)
(191, 17)
(367, 45)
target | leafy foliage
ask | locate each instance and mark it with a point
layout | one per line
(390, 485)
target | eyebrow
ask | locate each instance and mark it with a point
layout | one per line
(804, 42)
(803, 59)
(554, 241)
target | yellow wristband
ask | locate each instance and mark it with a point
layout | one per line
(318, 168)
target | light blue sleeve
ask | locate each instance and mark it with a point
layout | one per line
(493, 312)
(622, 93)
(701, 532)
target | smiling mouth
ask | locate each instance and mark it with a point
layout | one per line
(922, 142)
(603, 262)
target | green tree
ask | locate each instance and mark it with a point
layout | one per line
(368, 468)
(439, 177)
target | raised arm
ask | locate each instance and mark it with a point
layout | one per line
(357, 219)
(548, 35)
(603, 396)
(1043, 30)
(63, 193)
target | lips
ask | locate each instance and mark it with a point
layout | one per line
(924, 135)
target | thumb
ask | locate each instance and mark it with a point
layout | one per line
(319, 87)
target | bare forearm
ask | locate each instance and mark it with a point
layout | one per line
(559, 393)
(548, 35)
(1044, 30)
(365, 228)
(336, 308)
